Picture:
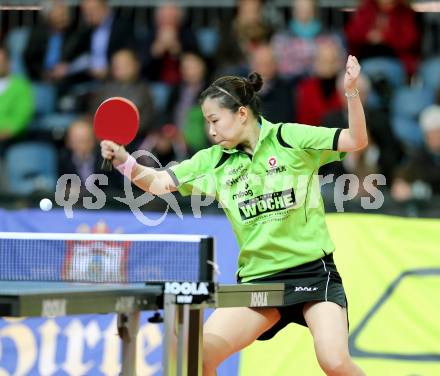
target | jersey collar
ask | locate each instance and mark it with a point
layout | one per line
(265, 130)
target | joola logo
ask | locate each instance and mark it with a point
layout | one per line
(53, 307)
(186, 288)
(258, 299)
(125, 304)
(269, 202)
(235, 180)
(307, 289)
(188, 292)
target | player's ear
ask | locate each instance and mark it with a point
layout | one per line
(243, 114)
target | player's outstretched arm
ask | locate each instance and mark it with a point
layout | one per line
(355, 137)
(146, 178)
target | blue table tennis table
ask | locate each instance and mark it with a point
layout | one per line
(51, 275)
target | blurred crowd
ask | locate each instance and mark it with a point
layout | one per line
(54, 75)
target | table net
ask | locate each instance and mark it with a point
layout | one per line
(106, 258)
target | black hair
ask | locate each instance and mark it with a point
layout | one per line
(233, 92)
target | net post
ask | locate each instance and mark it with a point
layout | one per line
(196, 313)
(207, 252)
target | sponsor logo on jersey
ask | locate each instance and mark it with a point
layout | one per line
(233, 181)
(272, 161)
(269, 202)
(235, 170)
(246, 192)
(306, 289)
(276, 170)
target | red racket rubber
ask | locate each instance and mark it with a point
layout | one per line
(117, 120)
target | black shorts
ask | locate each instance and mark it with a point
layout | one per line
(314, 281)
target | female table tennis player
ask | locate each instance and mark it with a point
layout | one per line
(262, 173)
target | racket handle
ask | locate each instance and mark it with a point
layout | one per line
(107, 165)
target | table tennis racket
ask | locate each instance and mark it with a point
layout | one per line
(117, 120)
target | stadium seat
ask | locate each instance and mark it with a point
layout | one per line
(55, 124)
(406, 106)
(208, 40)
(16, 43)
(386, 75)
(30, 167)
(160, 93)
(47, 120)
(429, 72)
(390, 68)
(45, 98)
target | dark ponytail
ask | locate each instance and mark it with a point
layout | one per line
(233, 92)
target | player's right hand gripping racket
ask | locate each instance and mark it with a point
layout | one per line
(117, 120)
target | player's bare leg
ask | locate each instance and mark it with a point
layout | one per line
(327, 322)
(229, 330)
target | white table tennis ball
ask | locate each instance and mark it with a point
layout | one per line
(45, 204)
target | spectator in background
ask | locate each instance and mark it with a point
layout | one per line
(422, 170)
(125, 82)
(108, 34)
(385, 28)
(53, 43)
(295, 47)
(165, 44)
(16, 102)
(276, 95)
(81, 155)
(383, 153)
(237, 41)
(165, 144)
(182, 128)
(183, 110)
(317, 95)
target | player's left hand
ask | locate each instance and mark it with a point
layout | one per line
(352, 72)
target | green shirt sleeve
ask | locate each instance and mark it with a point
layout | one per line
(194, 175)
(17, 106)
(316, 140)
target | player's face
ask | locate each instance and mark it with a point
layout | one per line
(225, 127)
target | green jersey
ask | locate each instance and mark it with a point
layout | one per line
(272, 198)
